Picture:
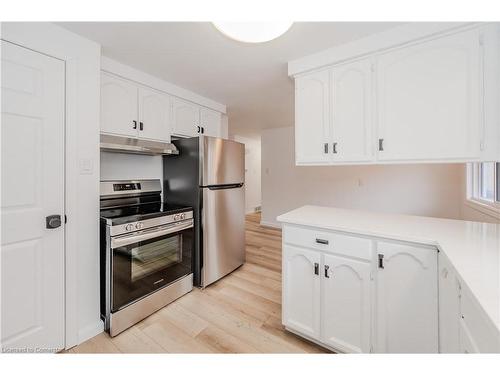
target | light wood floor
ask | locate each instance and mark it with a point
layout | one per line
(239, 314)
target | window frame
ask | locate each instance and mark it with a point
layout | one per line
(473, 197)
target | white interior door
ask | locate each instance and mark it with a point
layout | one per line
(154, 115)
(32, 257)
(346, 304)
(185, 118)
(407, 299)
(301, 290)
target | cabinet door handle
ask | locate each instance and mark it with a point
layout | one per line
(199, 129)
(321, 241)
(141, 126)
(202, 130)
(135, 125)
(381, 144)
(326, 148)
(335, 147)
(316, 268)
(326, 271)
(381, 261)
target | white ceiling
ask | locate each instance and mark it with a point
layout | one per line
(251, 79)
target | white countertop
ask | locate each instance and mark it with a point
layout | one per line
(472, 248)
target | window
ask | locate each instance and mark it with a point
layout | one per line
(483, 187)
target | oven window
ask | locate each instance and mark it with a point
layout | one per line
(142, 267)
(155, 256)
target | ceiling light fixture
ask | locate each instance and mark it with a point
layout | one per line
(253, 32)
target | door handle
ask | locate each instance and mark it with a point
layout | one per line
(141, 126)
(135, 125)
(326, 148)
(199, 129)
(202, 130)
(53, 221)
(321, 241)
(326, 271)
(316, 268)
(381, 144)
(335, 147)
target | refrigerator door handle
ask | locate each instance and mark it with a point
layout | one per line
(222, 187)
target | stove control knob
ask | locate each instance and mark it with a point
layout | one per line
(139, 226)
(183, 216)
(129, 227)
(176, 217)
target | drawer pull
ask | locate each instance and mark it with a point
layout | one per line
(326, 271)
(381, 261)
(316, 268)
(321, 241)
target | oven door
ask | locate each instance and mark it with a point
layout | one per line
(144, 261)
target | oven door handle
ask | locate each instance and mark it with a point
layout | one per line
(133, 238)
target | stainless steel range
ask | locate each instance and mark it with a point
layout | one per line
(146, 252)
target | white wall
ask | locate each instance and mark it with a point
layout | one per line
(252, 171)
(430, 190)
(117, 166)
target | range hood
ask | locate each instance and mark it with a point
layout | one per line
(115, 143)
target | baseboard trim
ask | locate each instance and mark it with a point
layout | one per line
(270, 224)
(90, 331)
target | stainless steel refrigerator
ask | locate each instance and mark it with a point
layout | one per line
(209, 175)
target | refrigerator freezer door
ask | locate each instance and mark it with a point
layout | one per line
(223, 161)
(223, 217)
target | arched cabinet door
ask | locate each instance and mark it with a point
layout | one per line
(346, 304)
(312, 119)
(407, 299)
(301, 290)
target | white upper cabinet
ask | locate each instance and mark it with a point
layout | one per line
(185, 118)
(210, 122)
(312, 118)
(351, 96)
(118, 106)
(301, 290)
(407, 291)
(134, 110)
(428, 100)
(346, 304)
(154, 115)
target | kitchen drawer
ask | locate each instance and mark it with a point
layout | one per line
(328, 241)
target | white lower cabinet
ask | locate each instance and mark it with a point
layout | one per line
(301, 290)
(346, 305)
(449, 307)
(477, 333)
(407, 299)
(402, 298)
